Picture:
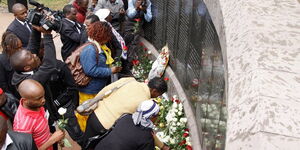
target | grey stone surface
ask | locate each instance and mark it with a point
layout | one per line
(260, 44)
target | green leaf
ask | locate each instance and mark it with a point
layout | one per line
(67, 143)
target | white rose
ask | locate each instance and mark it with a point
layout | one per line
(176, 110)
(172, 141)
(179, 113)
(167, 138)
(188, 141)
(62, 110)
(174, 105)
(184, 120)
(149, 52)
(175, 97)
(180, 106)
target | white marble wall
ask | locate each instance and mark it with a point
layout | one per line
(260, 40)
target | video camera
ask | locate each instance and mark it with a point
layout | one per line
(44, 17)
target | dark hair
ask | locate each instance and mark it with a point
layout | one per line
(17, 60)
(67, 9)
(93, 18)
(9, 43)
(100, 32)
(159, 84)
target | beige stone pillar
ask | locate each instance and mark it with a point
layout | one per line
(260, 40)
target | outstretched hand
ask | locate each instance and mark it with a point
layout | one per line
(115, 69)
(41, 29)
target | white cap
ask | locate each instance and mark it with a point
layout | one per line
(102, 14)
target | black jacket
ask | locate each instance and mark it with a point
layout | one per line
(21, 141)
(43, 73)
(6, 73)
(20, 31)
(127, 136)
(10, 107)
(62, 85)
(70, 37)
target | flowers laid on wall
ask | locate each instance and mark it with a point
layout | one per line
(142, 64)
(172, 124)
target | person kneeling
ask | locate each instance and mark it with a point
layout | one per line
(132, 131)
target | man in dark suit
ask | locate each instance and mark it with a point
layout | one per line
(72, 33)
(20, 26)
(11, 140)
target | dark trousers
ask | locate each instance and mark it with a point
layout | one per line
(73, 127)
(93, 128)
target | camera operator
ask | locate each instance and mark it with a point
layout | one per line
(117, 11)
(139, 9)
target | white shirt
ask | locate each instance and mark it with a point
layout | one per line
(28, 72)
(24, 23)
(7, 142)
(73, 22)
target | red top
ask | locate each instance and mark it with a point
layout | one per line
(3, 115)
(80, 16)
(33, 122)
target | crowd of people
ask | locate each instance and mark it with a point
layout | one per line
(34, 84)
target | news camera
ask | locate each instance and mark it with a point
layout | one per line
(44, 17)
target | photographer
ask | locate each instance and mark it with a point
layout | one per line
(117, 11)
(29, 66)
(139, 9)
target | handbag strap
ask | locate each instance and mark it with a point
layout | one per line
(87, 104)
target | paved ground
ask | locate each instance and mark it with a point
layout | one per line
(5, 19)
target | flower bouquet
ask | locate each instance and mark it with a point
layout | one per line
(172, 124)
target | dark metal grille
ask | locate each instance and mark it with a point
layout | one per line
(196, 58)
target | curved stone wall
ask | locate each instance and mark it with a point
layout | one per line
(260, 44)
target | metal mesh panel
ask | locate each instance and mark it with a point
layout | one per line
(159, 38)
(183, 34)
(196, 58)
(172, 11)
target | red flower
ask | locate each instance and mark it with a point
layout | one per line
(145, 49)
(141, 43)
(125, 48)
(1, 91)
(166, 79)
(177, 101)
(188, 147)
(182, 142)
(185, 134)
(137, 19)
(187, 130)
(195, 83)
(135, 62)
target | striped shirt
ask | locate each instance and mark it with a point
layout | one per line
(33, 122)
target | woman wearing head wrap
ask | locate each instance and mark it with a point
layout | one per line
(132, 132)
